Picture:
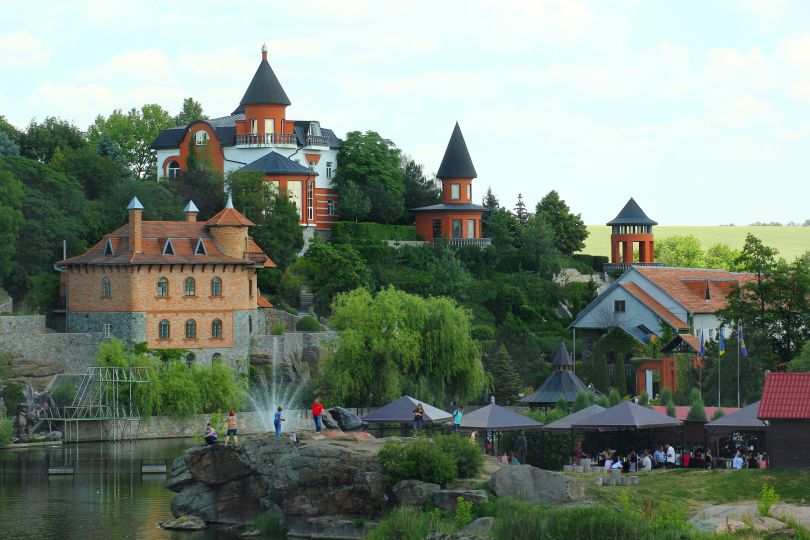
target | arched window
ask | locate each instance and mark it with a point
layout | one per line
(201, 137)
(105, 287)
(163, 287)
(190, 358)
(216, 287)
(191, 328)
(189, 287)
(216, 328)
(173, 169)
(164, 329)
(216, 359)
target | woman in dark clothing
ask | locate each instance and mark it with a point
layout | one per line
(418, 417)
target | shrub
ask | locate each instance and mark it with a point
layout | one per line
(269, 524)
(347, 232)
(278, 329)
(6, 428)
(64, 393)
(419, 460)
(614, 398)
(697, 413)
(464, 512)
(181, 392)
(468, 457)
(219, 389)
(644, 399)
(718, 413)
(767, 498)
(308, 324)
(408, 523)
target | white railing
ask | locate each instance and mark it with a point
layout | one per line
(265, 139)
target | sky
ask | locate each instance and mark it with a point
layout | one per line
(698, 109)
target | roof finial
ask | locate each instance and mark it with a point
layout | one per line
(135, 204)
(264, 51)
(229, 204)
(190, 207)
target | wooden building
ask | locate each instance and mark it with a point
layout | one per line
(785, 405)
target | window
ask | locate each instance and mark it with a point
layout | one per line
(163, 329)
(269, 127)
(201, 137)
(189, 286)
(469, 191)
(470, 228)
(310, 200)
(456, 228)
(191, 329)
(437, 228)
(250, 287)
(330, 207)
(711, 333)
(105, 287)
(254, 126)
(216, 287)
(108, 250)
(168, 248)
(294, 193)
(329, 169)
(173, 170)
(190, 358)
(250, 325)
(163, 287)
(106, 329)
(618, 306)
(311, 165)
(200, 249)
(216, 328)
(454, 192)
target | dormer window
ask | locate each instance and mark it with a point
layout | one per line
(200, 249)
(315, 129)
(108, 249)
(168, 249)
(201, 138)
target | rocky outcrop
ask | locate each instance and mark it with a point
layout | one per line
(295, 482)
(528, 483)
(414, 492)
(346, 420)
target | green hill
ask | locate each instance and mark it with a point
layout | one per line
(790, 241)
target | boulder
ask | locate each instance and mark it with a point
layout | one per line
(346, 420)
(184, 523)
(528, 483)
(447, 499)
(328, 421)
(414, 492)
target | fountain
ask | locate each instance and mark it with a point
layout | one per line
(269, 390)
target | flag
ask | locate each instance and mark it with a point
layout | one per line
(702, 346)
(722, 347)
(743, 350)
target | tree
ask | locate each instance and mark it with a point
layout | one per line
(354, 205)
(205, 186)
(192, 110)
(505, 380)
(396, 343)
(134, 132)
(685, 251)
(490, 202)
(568, 229)
(419, 191)
(7, 145)
(582, 401)
(718, 413)
(598, 373)
(619, 378)
(97, 173)
(41, 140)
(801, 362)
(330, 269)
(11, 219)
(373, 164)
(722, 256)
(614, 397)
(520, 210)
(671, 412)
(697, 413)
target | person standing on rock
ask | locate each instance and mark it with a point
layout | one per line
(231, 429)
(317, 411)
(457, 414)
(210, 435)
(418, 418)
(277, 420)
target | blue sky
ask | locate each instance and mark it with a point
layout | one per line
(698, 109)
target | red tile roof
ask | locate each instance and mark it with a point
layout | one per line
(687, 286)
(229, 217)
(666, 315)
(785, 396)
(263, 302)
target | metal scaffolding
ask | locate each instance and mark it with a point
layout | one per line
(105, 396)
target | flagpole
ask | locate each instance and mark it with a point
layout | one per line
(718, 375)
(738, 362)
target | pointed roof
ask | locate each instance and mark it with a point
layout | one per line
(401, 411)
(134, 204)
(496, 418)
(190, 207)
(626, 415)
(744, 419)
(632, 214)
(264, 89)
(456, 162)
(560, 384)
(564, 424)
(229, 216)
(274, 163)
(561, 357)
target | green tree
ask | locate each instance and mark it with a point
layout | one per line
(521, 213)
(394, 344)
(11, 219)
(330, 269)
(7, 145)
(697, 412)
(372, 164)
(568, 229)
(718, 413)
(354, 204)
(505, 381)
(490, 202)
(191, 110)
(614, 397)
(97, 173)
(41, 140)
(685, 251)
(619, 378)
(582, 401)
(722, 256)
(671, 412)
(598, 373)
(419, 191)
(801, 362)
(203, 185)
(134, 131)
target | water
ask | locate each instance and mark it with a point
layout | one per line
(107, 498)
(269, 392)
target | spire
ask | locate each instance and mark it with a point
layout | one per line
(135, 204)
(229, 204)
(561, 358)
(264, 52)
(456, 162)
(632, 214)
(264, 88)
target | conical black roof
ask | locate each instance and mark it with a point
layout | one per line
(561, 357)
(456, 162)
(632, 214)
(560, 384)
(264, 89)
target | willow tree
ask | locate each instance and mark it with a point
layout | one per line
(397, 343)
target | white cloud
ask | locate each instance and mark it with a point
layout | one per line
(22, 50)
(133, 65)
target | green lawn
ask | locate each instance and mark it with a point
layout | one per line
(790, 241)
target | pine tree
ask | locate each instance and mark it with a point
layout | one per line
(490, 202)
(598, 373)
(614, 398)
(520, 211)
(718, 413)
(583, 401)
(505, 380)
(697, 413)
(671, 409)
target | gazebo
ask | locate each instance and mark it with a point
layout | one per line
(744, 420)
(562, 383)
(496, 419)
(564, 424)
(401, 412)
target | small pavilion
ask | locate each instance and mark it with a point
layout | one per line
(562, 383)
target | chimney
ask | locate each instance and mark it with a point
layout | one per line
(191, 212)
(135, 210)
(264, 52)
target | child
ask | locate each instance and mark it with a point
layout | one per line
(231, 429)
(210, 434)
(277, 420)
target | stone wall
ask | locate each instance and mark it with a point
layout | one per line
(125, 326)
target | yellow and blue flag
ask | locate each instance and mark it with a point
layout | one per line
(743, 350)
(722, 343)
(702, 346)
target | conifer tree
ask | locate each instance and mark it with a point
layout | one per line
(583, 401)
(697, 413)
(520, 211)
(505, 380)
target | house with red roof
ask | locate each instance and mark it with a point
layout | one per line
(785, 406)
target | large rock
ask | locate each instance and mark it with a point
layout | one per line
(528, 483)
(328, 421)
(447, 499)
(305, 480)
(184, 523)
(414, 492)
(346, 420)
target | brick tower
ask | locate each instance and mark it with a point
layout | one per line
(631, 227)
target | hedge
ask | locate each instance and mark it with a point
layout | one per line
(595, 262)
(348, 232)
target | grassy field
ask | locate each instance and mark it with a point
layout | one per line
(790, 241)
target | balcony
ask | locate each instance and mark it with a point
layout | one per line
(317, 140)
(610, 268)
(460, 242)
(258, 140)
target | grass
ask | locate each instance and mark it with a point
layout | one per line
(790, 241)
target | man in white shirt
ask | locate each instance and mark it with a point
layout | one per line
(737, 462)
(646, 462)
(670, 457)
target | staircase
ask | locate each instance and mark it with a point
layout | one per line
(306, 301)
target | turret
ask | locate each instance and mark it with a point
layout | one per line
(630, 227)
(229, 228)
(265, 107)
(456, 171)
